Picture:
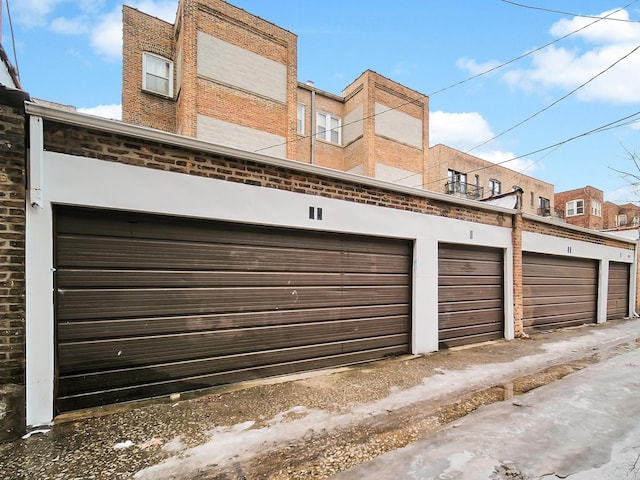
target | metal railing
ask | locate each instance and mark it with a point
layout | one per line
(462, 189)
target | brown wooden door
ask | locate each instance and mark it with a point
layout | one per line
(149, 305)
(618, 293)
(470, 294)
(558, 291)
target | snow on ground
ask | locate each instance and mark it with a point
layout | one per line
(236, 443)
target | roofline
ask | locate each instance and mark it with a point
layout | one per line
(568, 226)
(121, 128)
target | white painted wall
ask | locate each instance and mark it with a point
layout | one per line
(398, 126)
(233, 135)
(352, 125)
(398, 175)
(229, 64)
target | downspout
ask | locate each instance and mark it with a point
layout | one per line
(313, 128)
(634, 276)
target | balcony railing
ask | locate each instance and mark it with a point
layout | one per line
(547, 212)
(462, 189)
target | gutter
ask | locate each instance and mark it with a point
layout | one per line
(117, 127)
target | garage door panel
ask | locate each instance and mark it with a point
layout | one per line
(544, 299)
(84, 329)
(474, 317)
(105, 223)
(618, 294)
(454, 281)
(554, 281)
(98, 252)
(558, 291)
(220, 278)
(118, 353)
(475, 305)
(88, 304)
(175, 371)
(220, 300)
(555, 321)
(556, 308)
(470, 294)
(471, 268)
(463, 293)
(116, 395)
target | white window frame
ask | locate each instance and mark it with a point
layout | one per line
(495, 187)
(575, 208)
(324, 130)
(300, 117)
(621, 220)
(596, 208)
(152, 57)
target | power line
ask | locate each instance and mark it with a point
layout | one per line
(13, 40)
(615, 124)
(461, 82)
(544, 46)
(566, 13)
(602, 72)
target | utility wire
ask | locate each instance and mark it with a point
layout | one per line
(557, 101)
(461, 82)
(13, 40)
(615, 124)
(566, 13)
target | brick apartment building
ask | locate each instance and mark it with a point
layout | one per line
(582, 207)
(223, 75)
(585, 207)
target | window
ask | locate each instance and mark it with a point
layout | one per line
(531, 200)
(157, 74)
(457, 182)
(544, 206)
(575, 207)
(329, 128)
(621, 220)
(301, 114)
(596, 208)
(495, 187)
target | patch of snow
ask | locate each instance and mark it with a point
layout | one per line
(123, 445)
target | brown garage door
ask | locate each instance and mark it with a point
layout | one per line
(618, 295)
(470, 294)
(558, 291)
(150, 305)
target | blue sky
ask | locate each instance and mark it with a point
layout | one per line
(69, 51)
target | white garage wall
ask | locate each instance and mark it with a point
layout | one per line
(72, 180)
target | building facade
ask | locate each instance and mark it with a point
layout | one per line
(583, 207)
(225, 76)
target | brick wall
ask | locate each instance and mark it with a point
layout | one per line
(12, 237)
(111, 147)
(518, 298)
(562, 232)
(588, 195)
(144, 33)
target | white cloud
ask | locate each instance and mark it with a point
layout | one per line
(464, 131)
(475, 68)
(599, 46)
(622, 195)
(108, 111)
(33, 13)
(75, 26)
(458, 130)
(106, 37)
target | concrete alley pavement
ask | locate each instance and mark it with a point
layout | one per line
(583, 427)
(319, 424)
